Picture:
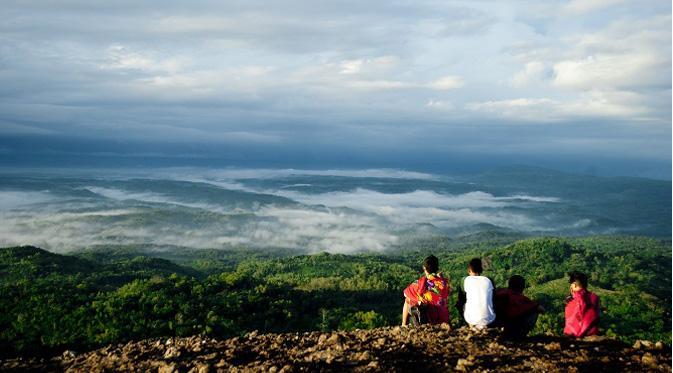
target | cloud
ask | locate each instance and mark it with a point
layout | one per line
(368, 65)
(377, 84)
(447, 82)
(65, 225)
(319, 79)
(158, 211)
(532, 72)
(535, 109)
(16, 128)
(524, 197)
(241, 173)
(325, 230)
(440, 105)
(370, 200)
(608, 72)
(586, 6)
(424, 206)
(122, 195)
(303, 229)
(120, 57)
(598, 104)
(10, 200)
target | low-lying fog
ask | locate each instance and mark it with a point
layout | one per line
(315, 210)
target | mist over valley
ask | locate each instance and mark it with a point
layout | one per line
(339, 211)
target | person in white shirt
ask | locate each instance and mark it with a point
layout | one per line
(478, 311)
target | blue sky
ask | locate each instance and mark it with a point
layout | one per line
(580, 84)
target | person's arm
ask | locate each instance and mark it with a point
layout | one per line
(462, 298)
(577, 314)
(405, 312)
(411, 293)
(415, 290)
(572, 323)
(591, 315)
(492, 282)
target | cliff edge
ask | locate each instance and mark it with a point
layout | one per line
(429, 348)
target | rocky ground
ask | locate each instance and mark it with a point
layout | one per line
(430, 348)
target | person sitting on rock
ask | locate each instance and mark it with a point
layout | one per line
(582, 311)
(515, 312)
(475, 300)
(428, 296)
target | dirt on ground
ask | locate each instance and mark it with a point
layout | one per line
(428, 348)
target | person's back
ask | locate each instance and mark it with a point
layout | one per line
(582, 312)
(432, 294)
(478, 289)
(510, 304)
(515, 312)
(429, 292)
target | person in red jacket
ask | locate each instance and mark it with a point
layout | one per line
(582, 311)
(429, 293)
(515, 312)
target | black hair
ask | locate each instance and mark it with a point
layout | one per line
(475, 266)
(431, 264)
(516, 283)
(579, 277)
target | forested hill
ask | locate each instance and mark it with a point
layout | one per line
(92, 298)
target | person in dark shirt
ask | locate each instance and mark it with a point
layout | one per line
(515, 312)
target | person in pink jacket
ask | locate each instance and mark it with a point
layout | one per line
(582, 311)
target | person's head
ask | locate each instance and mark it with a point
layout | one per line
(577, 280)
(516, 283)
(431, 264)
(474, 267)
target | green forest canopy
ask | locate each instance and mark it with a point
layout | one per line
(50, 302)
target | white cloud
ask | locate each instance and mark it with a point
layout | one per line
(608, 72)
(447, 83)
(63, 230)
(264, 173)
(13, 199)
(367, 65)
(16, 128)
(344, 222)
(122, 58)
(123, 195)
(424, 206)
(440, 105)
(377, 84)
(620, 70)
(532, 72)
(575, 7)
(617, 104)
(325, 230)
(370, 200)
(519, 108)
(597, 104)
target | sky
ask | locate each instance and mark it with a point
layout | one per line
(581, 85)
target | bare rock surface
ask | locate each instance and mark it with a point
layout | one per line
(429, 348)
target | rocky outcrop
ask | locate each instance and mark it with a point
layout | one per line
(429, 348)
